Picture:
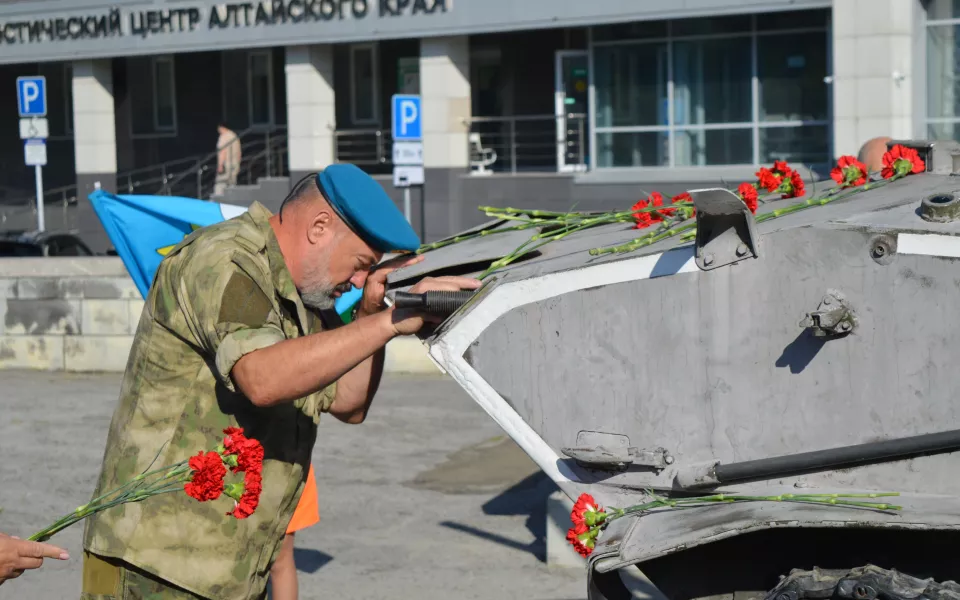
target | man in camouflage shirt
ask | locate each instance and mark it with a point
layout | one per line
(235, 332)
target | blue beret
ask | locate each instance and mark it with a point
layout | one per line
(365, 207)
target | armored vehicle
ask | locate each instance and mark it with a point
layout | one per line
(811, 353)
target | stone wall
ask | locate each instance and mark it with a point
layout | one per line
(66, 314)
(80, 314)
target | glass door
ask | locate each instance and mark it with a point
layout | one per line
(571, 110)
(260, 88)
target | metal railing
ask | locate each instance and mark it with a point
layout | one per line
(363, 147)
(534, 143)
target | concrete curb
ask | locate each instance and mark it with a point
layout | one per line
(409, 355)
(559, 551)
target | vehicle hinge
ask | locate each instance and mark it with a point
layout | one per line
(726, 230)
(834, 316)
(611, 451)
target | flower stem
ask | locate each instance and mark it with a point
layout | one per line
(171, 480)
(829, 499)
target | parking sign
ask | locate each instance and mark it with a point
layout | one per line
(32, 96)
(406, 118)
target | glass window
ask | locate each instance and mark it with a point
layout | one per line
(791, 69)
(943, 9)
(703, 147)
(140, 87)
(712, 81)
(793, 19)
(164, 110)
(363, 79)
(261, 85)
(631, 85)
(802, 145)
(630, 31)
(68, 99)
(943, 91)
(711, 25)
(943, 131)
(728, 79)
(647, 149)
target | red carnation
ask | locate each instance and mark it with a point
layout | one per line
(582, 538)
(246, 494)
(233, 439)
(781, 168)
(250, 456)
(793, 187)
(656, 199)
(748, 193)
(901, 161)
(586, 510)
(849, 172)
(768, 180)
(684, 198)
(249, 452)
(206, 483)
(642, 218)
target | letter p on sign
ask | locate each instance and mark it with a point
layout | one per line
(32, 96)
(406, 118)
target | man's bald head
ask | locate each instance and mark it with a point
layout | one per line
(871, 153)
(324, 256)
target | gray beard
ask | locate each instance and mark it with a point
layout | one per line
(319, 297)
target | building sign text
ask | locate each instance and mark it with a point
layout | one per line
(220, 16)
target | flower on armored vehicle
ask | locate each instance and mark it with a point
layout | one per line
(587, 510)
(901, 161)
(792, 186)
(767, 179)
(583, 538)
(748, 193)
(849, 172)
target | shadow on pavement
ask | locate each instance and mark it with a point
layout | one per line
(309, 560)
(527, 497)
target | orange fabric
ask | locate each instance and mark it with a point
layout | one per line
(308, 509)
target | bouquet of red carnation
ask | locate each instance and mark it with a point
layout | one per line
(202, 477)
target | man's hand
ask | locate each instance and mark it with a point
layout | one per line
(376, 285)
(408, 322)
(18, 555)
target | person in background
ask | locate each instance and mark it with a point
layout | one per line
(16, 556)
(871, 153)
(283, 574)
(228, 159)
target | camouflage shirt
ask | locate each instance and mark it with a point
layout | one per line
(223, 292)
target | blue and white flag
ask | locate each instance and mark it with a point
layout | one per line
(144, 229)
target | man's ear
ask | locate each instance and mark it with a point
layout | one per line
(320, 225)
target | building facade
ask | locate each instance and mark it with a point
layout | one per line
(547, 103)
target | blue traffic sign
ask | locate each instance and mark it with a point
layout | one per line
(32, 96)
(406, 118)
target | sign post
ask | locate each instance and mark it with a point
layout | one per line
(407, 146)
(32, 106)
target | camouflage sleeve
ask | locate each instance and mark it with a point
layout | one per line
(230, 315)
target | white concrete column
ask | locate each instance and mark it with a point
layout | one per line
(873, 69)
(94, 143)
(311, 111)
(445, 97)
(95, 136)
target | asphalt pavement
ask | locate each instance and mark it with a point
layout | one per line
(426, 499)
